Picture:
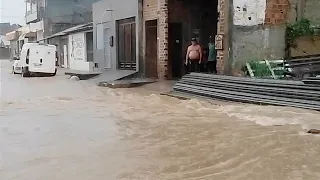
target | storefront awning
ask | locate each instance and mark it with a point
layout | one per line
(11, 36)
(27, 35)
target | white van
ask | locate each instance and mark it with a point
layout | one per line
(37, 58)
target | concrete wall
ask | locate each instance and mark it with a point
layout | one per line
(257, 43)
(306, 45)
(4, 53)
(62, 14)
(121, 9)
(56, 41)
(247, 31)
(258, 30)
(77, 47)
(14, 49)
(249, 12)
(311, 11)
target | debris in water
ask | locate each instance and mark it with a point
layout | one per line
(314, 131)
(75, 78)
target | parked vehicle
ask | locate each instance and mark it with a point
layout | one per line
(16, 67)
(36, 58)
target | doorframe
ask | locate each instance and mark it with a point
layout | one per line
(129, 20)
(64, 41)
(65, 56)
(146, 26)
(105, 66)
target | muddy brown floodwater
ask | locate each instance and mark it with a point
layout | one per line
(54, 129)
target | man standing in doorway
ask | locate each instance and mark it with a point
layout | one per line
(212, 58)
(194, 55)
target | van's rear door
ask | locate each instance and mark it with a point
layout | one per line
(42, 59)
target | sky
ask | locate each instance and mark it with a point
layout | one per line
(12, 11)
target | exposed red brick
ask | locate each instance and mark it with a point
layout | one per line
(276, 12)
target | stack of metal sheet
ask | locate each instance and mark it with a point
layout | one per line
(251, 90)
(312, 80)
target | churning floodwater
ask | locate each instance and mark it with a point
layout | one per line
(55, 128)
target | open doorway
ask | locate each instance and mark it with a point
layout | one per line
(151, 48)
(175, 49)
(89, 43)
(198, 19)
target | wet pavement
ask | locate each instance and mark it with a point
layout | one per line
(53, 128)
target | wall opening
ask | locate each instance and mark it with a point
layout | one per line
(89, 43)
(197, 19)
(126, 44)
(151, 45)
(64, 52)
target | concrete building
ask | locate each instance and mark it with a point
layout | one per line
(4, 43)
(259, 29)
(7, 27)
(245, 30)
(63, 14)
(168, 26)
(4, 47)
(116, 35)
(151, 36)
(48, 17)
(19, 37)
(13, 37)
(75, 47)
(34, 17)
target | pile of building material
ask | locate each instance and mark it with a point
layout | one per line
(303, 67)
(297, 68)
(312, 80)
(251, 90)
(275, 68)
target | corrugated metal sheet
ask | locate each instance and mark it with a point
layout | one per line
(250, 90)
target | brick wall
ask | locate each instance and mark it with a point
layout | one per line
(277, 12)
(150, 10)
(163, 40)
(158, 9)
(178, 12)
(221, 30)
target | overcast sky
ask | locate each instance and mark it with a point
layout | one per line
(12, 11)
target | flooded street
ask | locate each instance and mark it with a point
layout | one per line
(53, 128)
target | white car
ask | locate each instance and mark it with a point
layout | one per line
(16, 66)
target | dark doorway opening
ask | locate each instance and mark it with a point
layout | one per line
(197, 19)
(175, 49)
(126, 41)
(151, 48)
(89, 42)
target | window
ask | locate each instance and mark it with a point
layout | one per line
(100, 40)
